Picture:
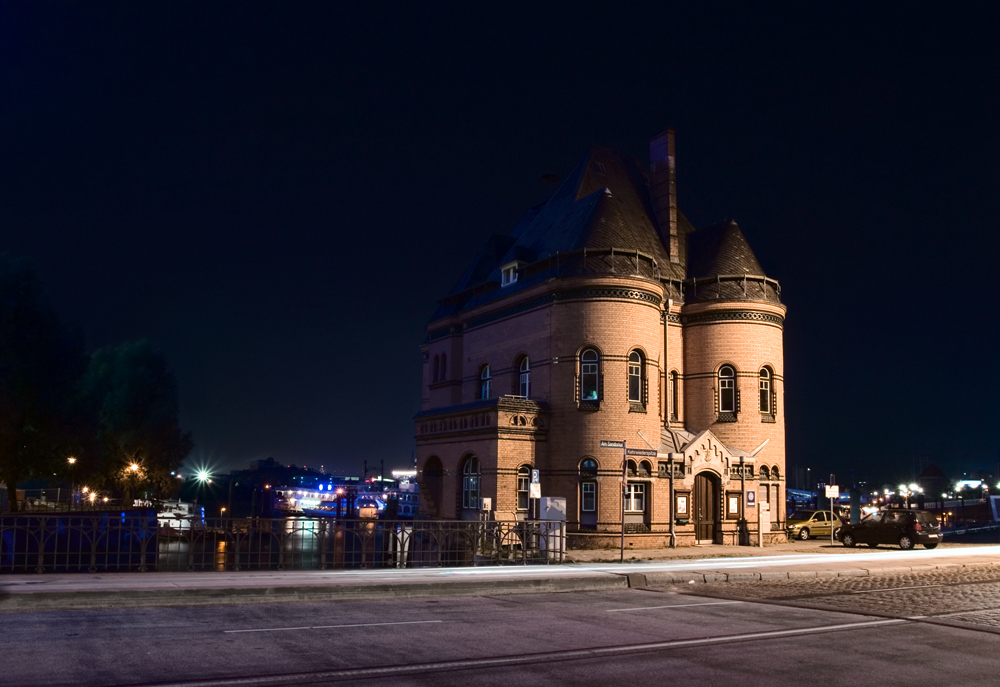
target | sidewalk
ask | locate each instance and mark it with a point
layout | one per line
(588, 571)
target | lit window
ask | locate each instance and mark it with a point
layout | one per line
(523, 479)
(765, 391)
(524, 385)
(508, 275)
(635, 377)
(470, 483)
(588, 375)
(588, 497)
(485, 383)
(635, 497)
(727, 389)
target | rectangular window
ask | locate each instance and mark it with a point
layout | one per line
(470, 493)
(508, 275)
(635, 497)
(588, 382)
(727, 396)
(588, 497)
(525, 384)
(765, 396)
(522, 491)
(673, 395)
(634, 383)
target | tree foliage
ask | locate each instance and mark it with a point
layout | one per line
(134, 397)
(40, 362)
(117, 413)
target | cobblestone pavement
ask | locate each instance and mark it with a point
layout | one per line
(962, 596)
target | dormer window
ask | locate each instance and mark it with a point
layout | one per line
(509, 272)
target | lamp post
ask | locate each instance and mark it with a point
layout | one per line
(72, 480)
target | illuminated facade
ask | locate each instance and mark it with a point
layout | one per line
(604, 315)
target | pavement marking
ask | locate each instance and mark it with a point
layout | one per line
(331, 627)
(896, 589)
(518, 660)
(651, 608)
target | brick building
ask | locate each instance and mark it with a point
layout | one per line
(604, 315)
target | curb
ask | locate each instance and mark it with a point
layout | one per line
(45, 601)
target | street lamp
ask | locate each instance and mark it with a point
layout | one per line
(72, 481)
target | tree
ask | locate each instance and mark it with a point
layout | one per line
(134, 396)
(40, 362)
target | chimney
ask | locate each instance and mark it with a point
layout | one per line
(663, 190)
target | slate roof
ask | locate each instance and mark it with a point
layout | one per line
(722, 250)
(603, 204)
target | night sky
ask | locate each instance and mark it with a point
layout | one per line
(276, 196)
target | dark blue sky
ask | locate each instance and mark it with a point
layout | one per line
(276, 196)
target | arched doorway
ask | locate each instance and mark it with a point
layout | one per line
(432, 485)
(706, 506)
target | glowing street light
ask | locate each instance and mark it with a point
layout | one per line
(134, 467)
(203, 476)
(71, 460)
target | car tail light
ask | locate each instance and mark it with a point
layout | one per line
(917, 527)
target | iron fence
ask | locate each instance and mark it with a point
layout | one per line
(140, 541)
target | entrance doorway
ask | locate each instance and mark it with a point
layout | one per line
(706, 506)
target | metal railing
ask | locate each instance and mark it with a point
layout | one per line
(139, 542)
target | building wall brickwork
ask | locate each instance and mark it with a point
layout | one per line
(615, 302)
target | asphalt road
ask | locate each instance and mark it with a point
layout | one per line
(917, 628)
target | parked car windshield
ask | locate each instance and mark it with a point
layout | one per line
(801, 515)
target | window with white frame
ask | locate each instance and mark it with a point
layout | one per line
(470, 483)
(485, 383)
(765, 391)
(508, 275)
(589, 363)
(635, 497)
(523, 490)
(588, 497)
(635, 377)
(727, 389)
(524, 378)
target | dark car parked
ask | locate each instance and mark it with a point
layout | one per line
(904, 528)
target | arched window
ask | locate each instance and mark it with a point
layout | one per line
(444, 366)
(470, 483)
(764, 472)
(774, 473)
(588, 468)
(437, 368)
(765, 391)
(635, 377)
(673, 395)
(524, 380)
(589, 362)
(523, 491)
(630, 468)
(645, 468)
(485, 383)
(727, 389)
